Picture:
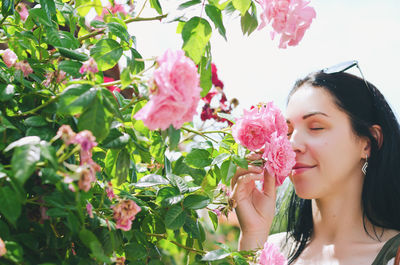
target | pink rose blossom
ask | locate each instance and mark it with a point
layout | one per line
(279, 156)
(252, 130)
(85, 180)
(66, 134)
(86, 140)
(24, 67)
(175, 92)
(110, 191)
(9, 58)
(89, 209)
(3, 249)
(90, 66)
(275, 119)
(23, 11)
(289, 18)
(124, 213)
(271, 255)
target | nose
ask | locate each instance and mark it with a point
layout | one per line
(297, 142)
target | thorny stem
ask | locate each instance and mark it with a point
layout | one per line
(199, 133)
(37, 108)
(164, 236)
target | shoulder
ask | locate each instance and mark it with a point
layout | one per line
(282, 241)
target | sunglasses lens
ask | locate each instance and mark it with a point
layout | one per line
(340, 67)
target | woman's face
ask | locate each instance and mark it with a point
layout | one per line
(328, 153)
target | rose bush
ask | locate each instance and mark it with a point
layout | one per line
(89, 174)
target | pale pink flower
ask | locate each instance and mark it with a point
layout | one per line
(9, 58)
(90, 66)
(23, 11)
(117, 8)
(217, 212)
(175, 92)
(85, 139)
(124, 213)
(24, 67)
(89, 209)
(66, 134)
(274, 118)
(3, 249)
(279, 156)
(58, 77)
(289, 18)
(110, 191)
(85, 180)
(271, 255)
(251, 130)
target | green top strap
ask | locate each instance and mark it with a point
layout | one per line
(388, 251)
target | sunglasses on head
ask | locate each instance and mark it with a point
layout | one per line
(341, 67)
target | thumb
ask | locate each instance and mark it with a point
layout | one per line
(269, 187)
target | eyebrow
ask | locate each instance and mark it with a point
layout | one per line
(312, 114)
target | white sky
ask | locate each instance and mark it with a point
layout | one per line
(253, 69)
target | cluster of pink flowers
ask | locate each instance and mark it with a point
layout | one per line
(90, 66)
(59, 77)
(86, 140)
(124, 213)
(3, 249)
(114, 9)
(110, 191)
(290, 19)
(271, 255)
(175, 92)
(10, 59)
(265, 127)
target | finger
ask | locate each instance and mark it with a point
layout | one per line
(242, 171)
(269, 188)
(244, 181)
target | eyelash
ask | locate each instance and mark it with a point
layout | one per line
(316, 129)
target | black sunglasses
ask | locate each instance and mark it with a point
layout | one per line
(341, 67)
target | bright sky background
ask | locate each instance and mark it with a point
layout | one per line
(253, 69)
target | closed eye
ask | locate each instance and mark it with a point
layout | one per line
(316, 129)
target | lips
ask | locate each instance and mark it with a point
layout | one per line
(300, 168)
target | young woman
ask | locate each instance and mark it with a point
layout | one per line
(345, 207)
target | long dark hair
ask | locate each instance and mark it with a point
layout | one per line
(365, 106)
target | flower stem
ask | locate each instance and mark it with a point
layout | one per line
(198, 133)
(32, 111)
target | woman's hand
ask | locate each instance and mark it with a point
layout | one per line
(255, 209)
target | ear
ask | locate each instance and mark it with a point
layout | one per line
(376, 132)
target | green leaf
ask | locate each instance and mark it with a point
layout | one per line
(178, 182)
(198, 158)
(174, 136)
(241, 162)
(70, 67)
(95, 119)
(49, 7)
(215, 255)
(119, 31)
(7, 7)
(241, 5)
(24, 161)
(191, 227)
(98, 24)
(122, 166)
(90, 240)
(71, 54)
(110, 161)
(7, 91)
(228, 169)
(40, 16)
(35, 121)
(195, 202)
(23, 141)
(10, 206)
(75, 99)
(135, 251)
(151, 180)
(115, 139)
(174, 218)
(135, 66)
(249, 21)
(126, 79)
(205, 75)
(239, 260)
(156, 5)
(106, 53)
(189, 4)
(229, 117)
(214, 219)
(56, 212)
(14, 253)
(63, 39)
(214, 13)
(110, 103)
(195, 34)
(167, 196)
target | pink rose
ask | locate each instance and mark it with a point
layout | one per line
(3, 249)
(86, 139)
(9, 58)
(89, 209)
(124, 213)
(271, 255)
(175, 92)
(251, 130)
(110, 191)
(279, 156)
(24, 67)
(90, 66)
(23, 11)
(274, 118)
(66, 134)
(290, 19)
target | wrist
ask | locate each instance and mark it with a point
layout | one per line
(252, 240)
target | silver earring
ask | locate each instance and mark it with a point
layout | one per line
(364, 167)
